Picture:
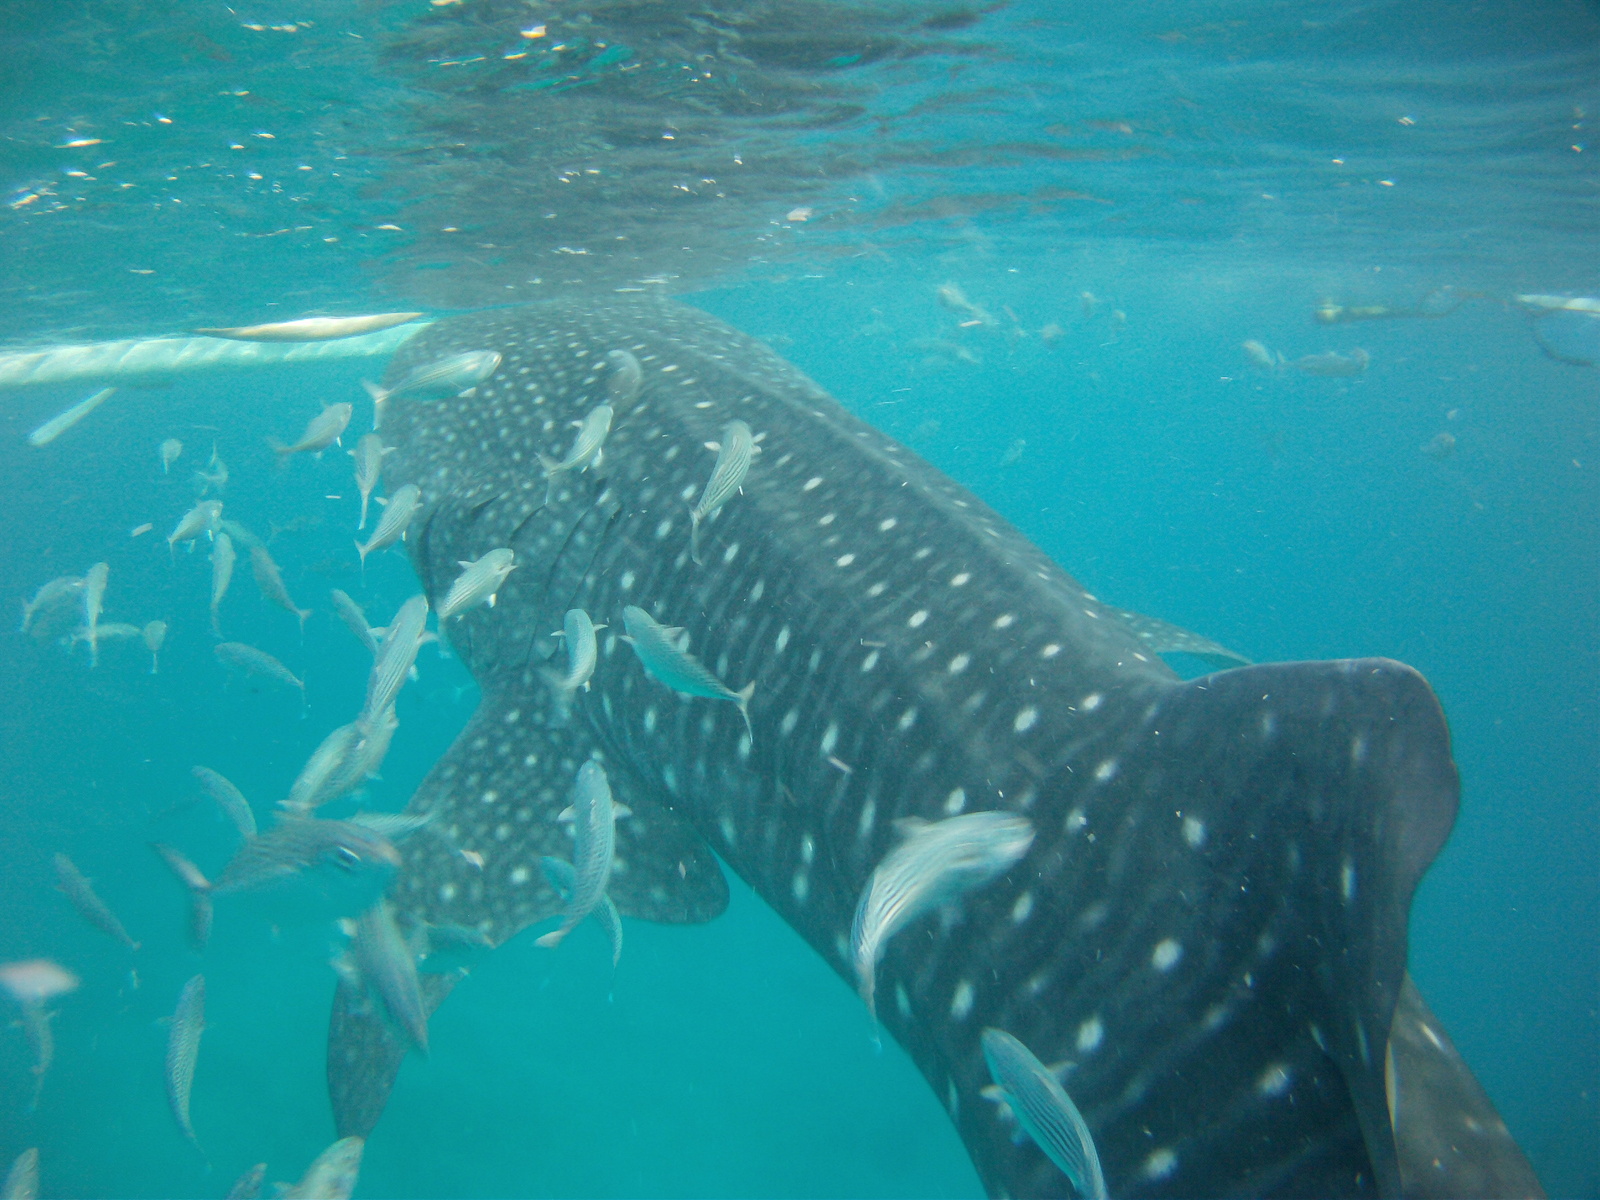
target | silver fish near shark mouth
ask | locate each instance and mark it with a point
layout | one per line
(1210, 922)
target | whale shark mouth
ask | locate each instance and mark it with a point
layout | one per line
(1209, 928)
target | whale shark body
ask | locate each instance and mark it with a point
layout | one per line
(1209, 929)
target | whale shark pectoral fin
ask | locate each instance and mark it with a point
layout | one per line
(1166, 638)
(364, 1054)
(1331, 784)
(1450, 1140)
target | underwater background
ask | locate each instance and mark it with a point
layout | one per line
(1118, 201)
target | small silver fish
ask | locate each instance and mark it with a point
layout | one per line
(241, 657)
(594, 815)
(660, 652)
(627, 378)
(296, 846)
(239, 533)
(1334, 365)
(1260, 357)
(312, 329)
(368, 456)
(582, 652)
(203, 518)
(1042, 1107)
(229, 798)
(563, 877)
(183, 1050)
(57, 425)
(448, 376)
(213, 477)
(200, 908)
(382, 963)
(310, 789)
(396, 654)
(271, 584)
(248, 1185)
(77, 888)
(478, 583)
(936, 862)
(94, 600)
(586, 450)
(391, 528)
(727, 477)
(117, 631)
(155, 633)
(322, 431)
(333, 1175)
(22, 1181)
(223, 557)
(355, 618)
(170, 450)
(62, 590)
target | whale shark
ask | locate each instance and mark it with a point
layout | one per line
(1208, 932)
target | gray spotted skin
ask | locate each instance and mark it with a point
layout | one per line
(1210, 922)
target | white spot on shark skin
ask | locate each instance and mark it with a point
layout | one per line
(783, 639)
(1005, 621)
(520, 875)
(877, 589)
(1274, 1080)
(902, 1002)
(1427, 1032)
(887, 524)
(663, 529)
(961, 580)
(1358, 749)
(1075, 821)
(1105, 771)
(447, 892)
(869, 812)
(1347, 881)
(1269, 724)
(916, 619)
(959, 663)
(811, 484)
(955, 801)
(800, 887)
(1094, 916)
(731, 553)
(907, 720)
(649, 721)
(627, 581)
(827, 518)
(1159, 1164)
(790, 720)
(961, 1002)
(1194, 832)
(923, 553)
(1090, 702)
(1026, 719)
(830, 738)
(844, 560)
(808, 849)
(870, 661)
(758, 591)
(1090, 1034)
(1022, 909)
(1166, 954)
(1050, 651)
(726, 827)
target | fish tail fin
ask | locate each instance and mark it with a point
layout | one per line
(363, 524)
(361, 553)
(551, 468)
(302, 614)
(379, 396)
(694, 535)
(200, 911)
(743, 699)
(216, 622)
(553, 939)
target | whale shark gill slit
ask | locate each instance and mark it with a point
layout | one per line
(1210, 925)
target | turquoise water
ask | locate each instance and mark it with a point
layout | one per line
(1180, 168)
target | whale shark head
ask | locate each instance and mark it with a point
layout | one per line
(1208, 930)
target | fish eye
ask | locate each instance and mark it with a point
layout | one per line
(345, 858)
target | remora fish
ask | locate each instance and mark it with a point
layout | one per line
(936, 863)
(229, 798)
(727, 477)
(924, 659)
(660, 651)
(322, 431)
(239, 657)
(1042, 1107)
(593, 814)
(90, 907)
(312, 329)
(368, 456)
(586, 451)
(391, 528)
(270, 581)
(183, 1050)
(583, 651)
(333, 1175)
(223, 558)
(448, 376)
(57, 425)
(477, 583)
